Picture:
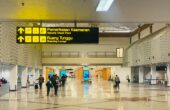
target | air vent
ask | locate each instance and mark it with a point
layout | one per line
(168, 54)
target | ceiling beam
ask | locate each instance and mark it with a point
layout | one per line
(114, 34)
(141, 28)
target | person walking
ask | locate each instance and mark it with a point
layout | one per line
(48, 84)
(117, 81)
(57, 81)
(41, 81)
(63, 79)
(114, 82)
(127, 78)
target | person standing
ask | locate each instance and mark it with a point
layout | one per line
(127, 78)
(63, 79)
(48, 84)
(41, 80)
(114, 82)
(117, 81)
(57, 81)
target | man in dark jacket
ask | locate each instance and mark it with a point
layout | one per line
(41, 80)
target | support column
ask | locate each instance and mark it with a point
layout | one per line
(44, 72)
(141, 72)
(168, 74)
(153, 74)
(37, 73)
(132, 74)
(13, 78)
(32, 76)
(1, 70)
(24, 77)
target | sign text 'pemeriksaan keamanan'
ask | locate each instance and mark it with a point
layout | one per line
(57, 35)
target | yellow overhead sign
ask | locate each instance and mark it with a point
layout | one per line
(28, 39)
(20, 30)
(43, 39)
(42, 30)
(57, 35)
(35, 38)
(36, 30)
(21, 39)
(28, 30)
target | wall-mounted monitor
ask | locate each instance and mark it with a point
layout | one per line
(161, 68)
(86, 75)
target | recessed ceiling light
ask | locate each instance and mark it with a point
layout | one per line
(104, 5)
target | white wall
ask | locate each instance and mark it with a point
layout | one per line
(105, 45)
(145, 33)
(123, 42)
(122, 72)
(157, 26)
(150, 50)
(4, 71)
(161, 74)
(81, 61)
(134, 38)
(147, 73)
(13, 53)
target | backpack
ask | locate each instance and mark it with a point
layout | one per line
(41, 79)
(48, 84)
(57, 82)
(117, 79)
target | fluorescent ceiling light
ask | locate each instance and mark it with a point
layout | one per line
(104, 5)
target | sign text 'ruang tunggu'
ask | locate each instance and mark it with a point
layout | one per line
(57, 35)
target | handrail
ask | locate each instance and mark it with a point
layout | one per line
(77, 54)
(61, 54)
(102, 54)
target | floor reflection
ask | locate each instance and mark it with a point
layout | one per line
(86, 88)
(100, 95)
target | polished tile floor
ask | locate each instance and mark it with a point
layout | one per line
(99, 95)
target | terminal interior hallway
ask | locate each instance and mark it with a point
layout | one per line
(99, 95)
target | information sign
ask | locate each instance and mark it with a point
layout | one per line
(57, 35)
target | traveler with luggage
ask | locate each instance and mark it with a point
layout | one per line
(36, 84)
(117, 81)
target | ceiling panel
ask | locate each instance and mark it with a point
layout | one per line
(85, 10)
(103, 27)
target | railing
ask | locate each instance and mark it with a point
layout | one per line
(62, 54)
(158, 81)
(101, 54)
(77, 54)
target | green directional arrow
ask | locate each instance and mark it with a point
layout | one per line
(20, 38)
(21, 30)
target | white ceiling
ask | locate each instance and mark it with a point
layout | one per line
(103, 27)
(85, 10)
(123, 16)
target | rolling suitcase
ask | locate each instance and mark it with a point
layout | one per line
(36, 86)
